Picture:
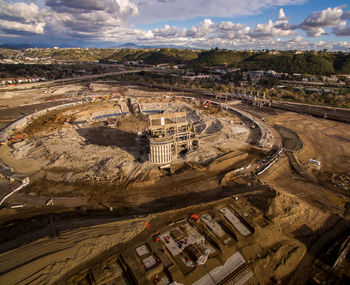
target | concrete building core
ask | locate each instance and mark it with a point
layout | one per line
(170, 134)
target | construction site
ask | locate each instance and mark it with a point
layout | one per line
(105, 183)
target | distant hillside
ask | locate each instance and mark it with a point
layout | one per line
(342, 63)
(7, 53)
(15, 46)
(218, 57)
(71, 54)
(309, 62)
(150, 56)
(155, 56)
(284, 61)
(290, 63)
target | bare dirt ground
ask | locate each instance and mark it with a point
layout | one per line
(312, 209)
(302, 202)
(32, 96)
(321, 141)
(47, 259)
(84, 243)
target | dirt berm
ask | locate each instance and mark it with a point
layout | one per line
(225, 161)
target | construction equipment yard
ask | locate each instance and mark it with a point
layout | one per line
(241, 194)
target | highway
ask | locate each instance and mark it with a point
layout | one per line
(72, 79)
(96, 76)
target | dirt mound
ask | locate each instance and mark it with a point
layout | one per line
(133, 123)
(76, 159)
(193, 116)
(214, 127)
(48, 122)
(291, 214)
(282, 259)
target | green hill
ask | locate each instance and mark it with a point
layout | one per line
(283, 61)
(154, 56)
(309, 62)
(219, 57)
(342, 63)
(289, 63)
(70, 54)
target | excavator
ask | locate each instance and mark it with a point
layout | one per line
(15, 138)
(57, 118)
(205, 102)
(106, 97)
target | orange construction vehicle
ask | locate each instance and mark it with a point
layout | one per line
(57, 118)
(15, 138)
(195, 217)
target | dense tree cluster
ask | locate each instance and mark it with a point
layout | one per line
(318, 63)
(154, 56)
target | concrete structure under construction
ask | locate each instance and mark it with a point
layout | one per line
(169, 135)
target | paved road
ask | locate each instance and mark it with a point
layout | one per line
(87, 77)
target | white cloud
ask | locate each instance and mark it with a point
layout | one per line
(280, 28)
(281, 14)
(227, 34)
(21, 17)
(110, 20)
(89, 18)
(118, 8)
(153, 11)
(342, 29)
(201, 31)
(167, 31)
(325, 18)
(315, 23)
(145, 35)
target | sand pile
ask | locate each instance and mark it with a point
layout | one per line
(67, 151)
(292, 214)
(282, 258)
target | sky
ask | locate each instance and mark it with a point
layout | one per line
(230, 24)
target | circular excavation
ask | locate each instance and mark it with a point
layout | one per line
(112, 181)
(128, 142)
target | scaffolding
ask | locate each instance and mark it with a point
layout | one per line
(169, 135)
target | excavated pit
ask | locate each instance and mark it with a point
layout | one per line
(106, 136)
(89, 144)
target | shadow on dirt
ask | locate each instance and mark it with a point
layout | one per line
(106, 136)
